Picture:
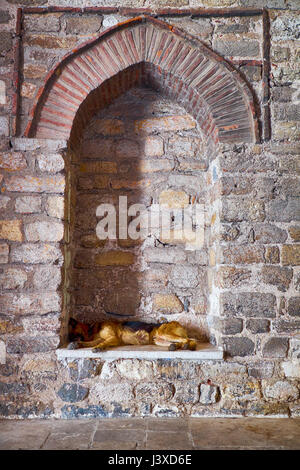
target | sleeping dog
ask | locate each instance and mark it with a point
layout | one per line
(107, 334)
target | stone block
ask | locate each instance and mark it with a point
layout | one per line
(258, 325)
(55, 206)
(47, 277)
(187, 392)
(28, 90)
(281, 391)
(242, 254)
(111, 392)
(167, 303)
(23, 304)
(277, 276)
(72, 393)
(268, 233)
(135, 370)
(11, 230)
(249, 391)
(209, 394)
(48, 41)
(32, 344)
(31, 253)
(294, 232)
(291, 369)
(290, 255)
(154, 146)
(34, 71)
(173, 199)
(294, 307)
(239, 346)
(164, 124)
(28, 204)
(83, 24)
(275, 347)
(237, 48)
(36, 184)
(52, 163)
(44, 231)
(249, 304)
(13, 278)
(164, 255)
(154, 392)
(12, 161)
(184, 276)
(238, 209)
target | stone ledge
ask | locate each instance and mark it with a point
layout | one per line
(204, 352)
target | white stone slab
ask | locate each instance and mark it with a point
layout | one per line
(204, 351)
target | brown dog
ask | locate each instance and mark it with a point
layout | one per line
(109, 334)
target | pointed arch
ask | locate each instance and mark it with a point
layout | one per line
(148, 50)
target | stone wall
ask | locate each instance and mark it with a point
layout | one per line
(250, 306)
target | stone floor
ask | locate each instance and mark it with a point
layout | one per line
(153, 434)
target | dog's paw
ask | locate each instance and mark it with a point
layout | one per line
(97, 350)
(73, 345)
(186, 346)
(172, 347)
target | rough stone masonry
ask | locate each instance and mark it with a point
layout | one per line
(240, 291)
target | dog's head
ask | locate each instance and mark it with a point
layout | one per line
(78, 331)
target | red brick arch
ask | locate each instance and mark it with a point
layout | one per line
(147, 50)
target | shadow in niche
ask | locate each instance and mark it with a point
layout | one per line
(122, 278)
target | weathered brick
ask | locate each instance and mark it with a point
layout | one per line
(238, 48)
(237, 210)
(115, 258)
(53, 163)
(28, 90)
(268, 233)
(98, 167)
(34, 71)
(44, 231)
(167, 303)
(165, 124)
(55, 206)
(290, 255)
(238, 346)
(13, 278)
(49, 22)
(294, 307)
(72, 392)
(277, 276)
(272, 255)
(275, 347)
(154, 146)
(83, 24)
(258, 325)
(11, 230)
(28, 204)
(184, 276)
(164, 255)
(229, 276)
(47, 184)
(47, 277)
(23, 304)
(31, 253)
(281, 391)
(32, 344)
(173, 199)
(242, 254)
(294, 232)
(48, 41)
(249, 304)
(13, 161)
